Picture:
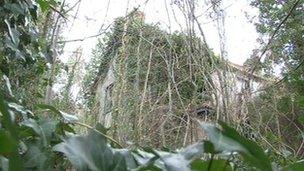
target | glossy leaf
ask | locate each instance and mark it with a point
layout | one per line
(227, 139)
(146, 160)
(35, 158)
(176, 162)
(68, 118)
(48, 107)
(14, 158)
(193, 151)
(91, 152)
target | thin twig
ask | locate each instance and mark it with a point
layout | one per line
(84, 38)
(60, 13)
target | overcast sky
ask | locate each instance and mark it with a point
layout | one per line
(94, 15)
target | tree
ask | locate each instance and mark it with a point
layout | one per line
(279, 109)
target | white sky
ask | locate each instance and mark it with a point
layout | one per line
(240, 34)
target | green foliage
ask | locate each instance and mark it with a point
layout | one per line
(295, 167)
(227, 139)
(34, 143)
(152, 69)
(223, 165)
(31, 142)
(45, 4)
(22, 51)
(91, 152)
(19, 35)
(277, 112)
(27, 140)
(287, 46)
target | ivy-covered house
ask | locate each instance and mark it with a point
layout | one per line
(146, 75)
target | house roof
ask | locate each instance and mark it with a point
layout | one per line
(240, 69)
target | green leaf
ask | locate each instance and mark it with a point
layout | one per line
(146, 160)
(15, 162)
(298, 166)
(26, 132)
(7, 144)
(48, 107)
(209, 148)
(130, 161)
(15, 8)
(221, 142)
(67, 117)
(228, 140)
(44, 5)
(20, 109)
(220, 165)
(301, 119)
(62, 127)
(13, 33)
(91, 152)
(300, 100)
(31, 123)
(181, 161)
(193, 151)
(8, 85)
(34, 158)
(176, 162)
(48, 128)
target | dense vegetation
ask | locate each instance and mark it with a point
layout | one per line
(153, 74)
(148, 94)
